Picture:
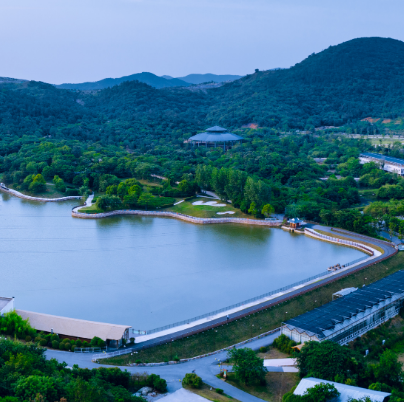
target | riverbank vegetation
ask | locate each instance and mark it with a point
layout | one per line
(255, 324)
(90, 141)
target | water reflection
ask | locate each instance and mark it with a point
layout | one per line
(144, 271)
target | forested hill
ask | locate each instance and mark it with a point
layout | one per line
(359, 78)
(147, 78)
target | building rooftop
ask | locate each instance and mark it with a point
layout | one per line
(347, 392)
(73, 327)
(336, 315)
(344, 292)
(383, 158)
(4, 301)
(215, 134)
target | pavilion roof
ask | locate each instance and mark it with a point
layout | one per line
(216, 134)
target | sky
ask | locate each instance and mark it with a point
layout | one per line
(70, 41)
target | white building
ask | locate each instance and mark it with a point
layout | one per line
(387, 163)
(346, 392)
(6, 305)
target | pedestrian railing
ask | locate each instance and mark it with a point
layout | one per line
(88, 350)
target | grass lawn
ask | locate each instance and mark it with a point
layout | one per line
(206, 211)
(92, 209)
(206, 392)
(273, 353)
(255, 324)
(277, 384)
(333, 234)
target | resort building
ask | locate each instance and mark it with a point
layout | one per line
(351, 315)
(6, 305)
(346, 392)
(73, 328)
(216, 136)
(387, 163)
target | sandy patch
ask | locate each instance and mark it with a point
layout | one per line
(211, 203)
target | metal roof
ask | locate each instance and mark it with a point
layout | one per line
(334, 316)
(383, 157)
(216, 129)
(216, 134)
(74, 327)
(347, 392)
(344, 292)
(4, 301)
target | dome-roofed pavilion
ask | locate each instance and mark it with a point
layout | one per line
(215, 136)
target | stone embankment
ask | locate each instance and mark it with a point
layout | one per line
(27, 197)
(361, 247)
(187, 218)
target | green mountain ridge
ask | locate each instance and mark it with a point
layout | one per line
(147, 78)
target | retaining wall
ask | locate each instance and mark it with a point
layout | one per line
(176, 215)
(27, 197)
(361, 247)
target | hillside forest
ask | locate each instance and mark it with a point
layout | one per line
(111, 141)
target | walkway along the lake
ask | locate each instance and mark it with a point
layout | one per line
(187, 218)
(28, 197)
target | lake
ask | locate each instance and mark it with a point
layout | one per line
(142, 271)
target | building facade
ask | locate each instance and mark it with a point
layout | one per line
(351, 315)
(387, 163)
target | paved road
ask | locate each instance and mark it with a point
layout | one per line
(206, 368)
(388, 252)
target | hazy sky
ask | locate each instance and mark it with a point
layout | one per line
(86, 40)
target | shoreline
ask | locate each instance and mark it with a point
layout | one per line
(176, 215)
(28, 197)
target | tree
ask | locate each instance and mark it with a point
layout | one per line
(146, 200)
(38, 184)
(321, 393)
(29, 387)
(248, 367)
(108, 202)
(389, 369)
(326, 360)
(267, 210)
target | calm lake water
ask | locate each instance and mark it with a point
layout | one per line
(141, 271)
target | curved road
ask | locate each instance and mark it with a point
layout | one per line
(206, 368)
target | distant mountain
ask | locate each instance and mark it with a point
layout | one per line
(199, 78)
(147, 78)
(8, 80)
(167, 77)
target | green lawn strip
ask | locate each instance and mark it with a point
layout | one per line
(50, 192)
(255, 324)
(338, 236)
(277, 384)
(206, 392)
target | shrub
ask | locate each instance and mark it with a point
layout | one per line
(176, 358)
(263, 349)
(160, 385)
(192, 380)
(138, 361)
(73, 348)
(85, 344)
(61, 345)
(68, 346)
(284, 344)
(55, 344)
(28, 338)
(97, 342)
(219, 391)
(43, 342)
(79, 343)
